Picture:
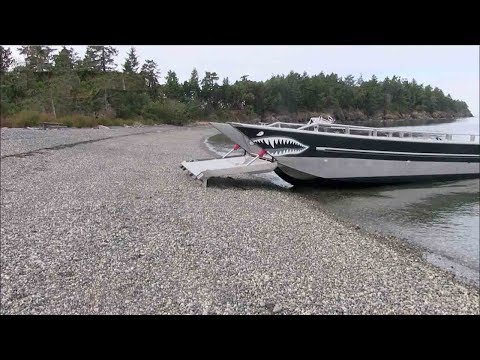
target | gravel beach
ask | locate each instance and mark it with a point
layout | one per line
(106, 222)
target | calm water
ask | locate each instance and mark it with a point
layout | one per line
(441, 217)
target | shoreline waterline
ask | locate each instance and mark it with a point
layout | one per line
(457, 255)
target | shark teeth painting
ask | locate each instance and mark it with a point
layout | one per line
(281, 146)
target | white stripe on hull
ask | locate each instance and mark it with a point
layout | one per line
(383, 152)
(344, 168)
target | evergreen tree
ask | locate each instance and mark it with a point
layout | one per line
(38, 58)
(131, 62)
(172, 88)
(6, 59)
(64, 82)
(150, 74)
(99, 58)
(209, 86)
(66, 60)
(226, 93)
(59, 85)
(193, 85)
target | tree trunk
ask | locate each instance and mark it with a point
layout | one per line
(123, 81)
(104, 68)
(106, 102)
(52, 103)
(53, 108)
(51, 95)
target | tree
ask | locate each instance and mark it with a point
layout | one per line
(6, 59)
(226, 92)
(65, 60)
(360, 80)
(194, 86)
(60, 82)
(38, 58)
(172, 88)
(131, 62)
(38, 75)
(99, 58)
(150, 74)
(63, 81)
(60, 85)
(61, 88)
(292, 91)
(373, 98)
(349, 80)
(208, 86)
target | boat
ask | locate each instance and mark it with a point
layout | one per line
(323, 151)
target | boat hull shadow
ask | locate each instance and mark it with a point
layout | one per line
(299, 180)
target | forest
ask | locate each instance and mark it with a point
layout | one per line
(58, 85)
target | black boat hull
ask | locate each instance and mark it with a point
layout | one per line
(307, 157)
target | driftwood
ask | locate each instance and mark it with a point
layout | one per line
(46, 125)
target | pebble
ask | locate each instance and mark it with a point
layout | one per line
(277, 308)
(120, 228)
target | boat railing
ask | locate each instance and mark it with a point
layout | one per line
(380, 132)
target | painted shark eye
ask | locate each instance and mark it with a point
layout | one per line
(260, 133)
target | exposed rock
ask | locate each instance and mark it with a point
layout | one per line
(102, 127)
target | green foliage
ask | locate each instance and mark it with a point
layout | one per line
(150, 74)
(192, 90)
(90, 91)
(38, 58)
(99, 58)
(195, 109)
(209, 91)
(6, 59)
(78, 120)
(131, 62)
(65, 61)
(167, 111)
(172, 88)
(128, 104)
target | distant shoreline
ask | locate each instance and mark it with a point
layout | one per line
(356, 117)
(35, 119)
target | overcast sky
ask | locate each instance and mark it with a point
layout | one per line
(454, 69)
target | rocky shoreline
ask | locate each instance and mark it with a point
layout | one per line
(113, 226)
(357, 117)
